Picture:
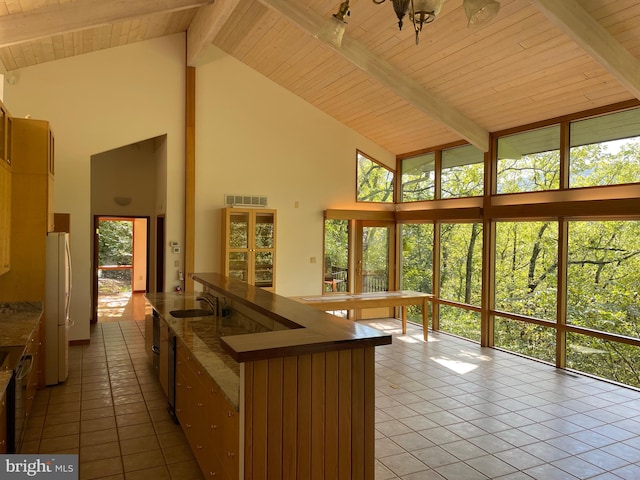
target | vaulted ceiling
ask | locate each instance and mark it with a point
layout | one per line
(538, 59)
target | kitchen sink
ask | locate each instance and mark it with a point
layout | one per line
(191, 312)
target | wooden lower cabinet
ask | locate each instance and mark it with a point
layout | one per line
(210, 423)
(33, 377)
(3, 422)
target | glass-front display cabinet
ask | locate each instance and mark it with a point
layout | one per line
(249, 245)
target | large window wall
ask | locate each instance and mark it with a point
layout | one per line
(537, 249)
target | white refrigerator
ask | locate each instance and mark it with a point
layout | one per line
(57, 305)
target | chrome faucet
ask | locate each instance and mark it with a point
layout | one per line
(212, 303)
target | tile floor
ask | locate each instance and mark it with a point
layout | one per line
(446, 409)
(112, 411)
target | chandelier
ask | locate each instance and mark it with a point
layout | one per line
(420, 12)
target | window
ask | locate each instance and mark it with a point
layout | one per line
(529, 161)
(418, 178)
(603, 276)
(462, 172)
(416, 253)
(526, 268)
(461, 262)
(336, 255)
(375, 181)
(535, 341)
(605, 150)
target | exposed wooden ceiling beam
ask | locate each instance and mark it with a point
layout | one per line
(576, 22)
(79, 15)
(386, 74)
(205, 26)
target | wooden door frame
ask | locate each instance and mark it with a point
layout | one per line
(94, 260)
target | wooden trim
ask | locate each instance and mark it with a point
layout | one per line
(594, 112)
(382, 215)
(616, 208)
(469, 214)
(417, 153)
(189, 176)
(75, 343)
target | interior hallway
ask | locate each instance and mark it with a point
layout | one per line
(446, 409)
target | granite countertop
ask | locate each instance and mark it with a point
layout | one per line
(201, 335)
(17, 322)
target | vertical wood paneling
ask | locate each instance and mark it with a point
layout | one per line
(369, 412)
(260, 418)
(290, 418)
(357, 414)
(317, 415)
(304, 416)
(311, 416)
(331, 403)
(248, 420)
(274, 414)
(344, 415)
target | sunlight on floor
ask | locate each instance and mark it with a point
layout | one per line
(117, 307)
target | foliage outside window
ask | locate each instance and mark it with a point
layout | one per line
(605, 150)
(375, 181)
(115, 249)
(461, 322)
(526, 268)
(375, 259)
(529, 161)
(336, 255)
(461, 262)
(605, 359)
(416, 254)
(462, 172)
(603, 276)
(535, 341)
(418, 178)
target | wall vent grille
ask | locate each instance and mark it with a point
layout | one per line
(245, 200)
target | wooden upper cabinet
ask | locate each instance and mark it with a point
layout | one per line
(5, 190)
(5, 218)
(249, 245)
(33, 154)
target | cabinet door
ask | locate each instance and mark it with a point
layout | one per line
(249, 240)
(264, 242)
(5, 217)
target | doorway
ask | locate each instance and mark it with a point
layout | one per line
(121, 268)
(374, 262)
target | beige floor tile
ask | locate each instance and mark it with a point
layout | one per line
(139, 444)
(156, 473)
(101, 468)
(127, 408)
(97, 413)
(92, 453)
(55, 444)
(98, 437)
(55, 408)
(95, 424)
(96, 403)
(134, 431)
(142, 460)
(62, 418)
(135, 418)
(171, 439)
(185, 471)
(98, 393)
(178, 453)
(61, 430)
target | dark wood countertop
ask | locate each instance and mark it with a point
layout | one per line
(312, 330)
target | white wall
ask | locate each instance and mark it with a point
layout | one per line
(97, 102)
(254, 137)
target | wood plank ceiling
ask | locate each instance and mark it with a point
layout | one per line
(538, 59)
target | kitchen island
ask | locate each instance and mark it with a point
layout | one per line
(297, 384)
